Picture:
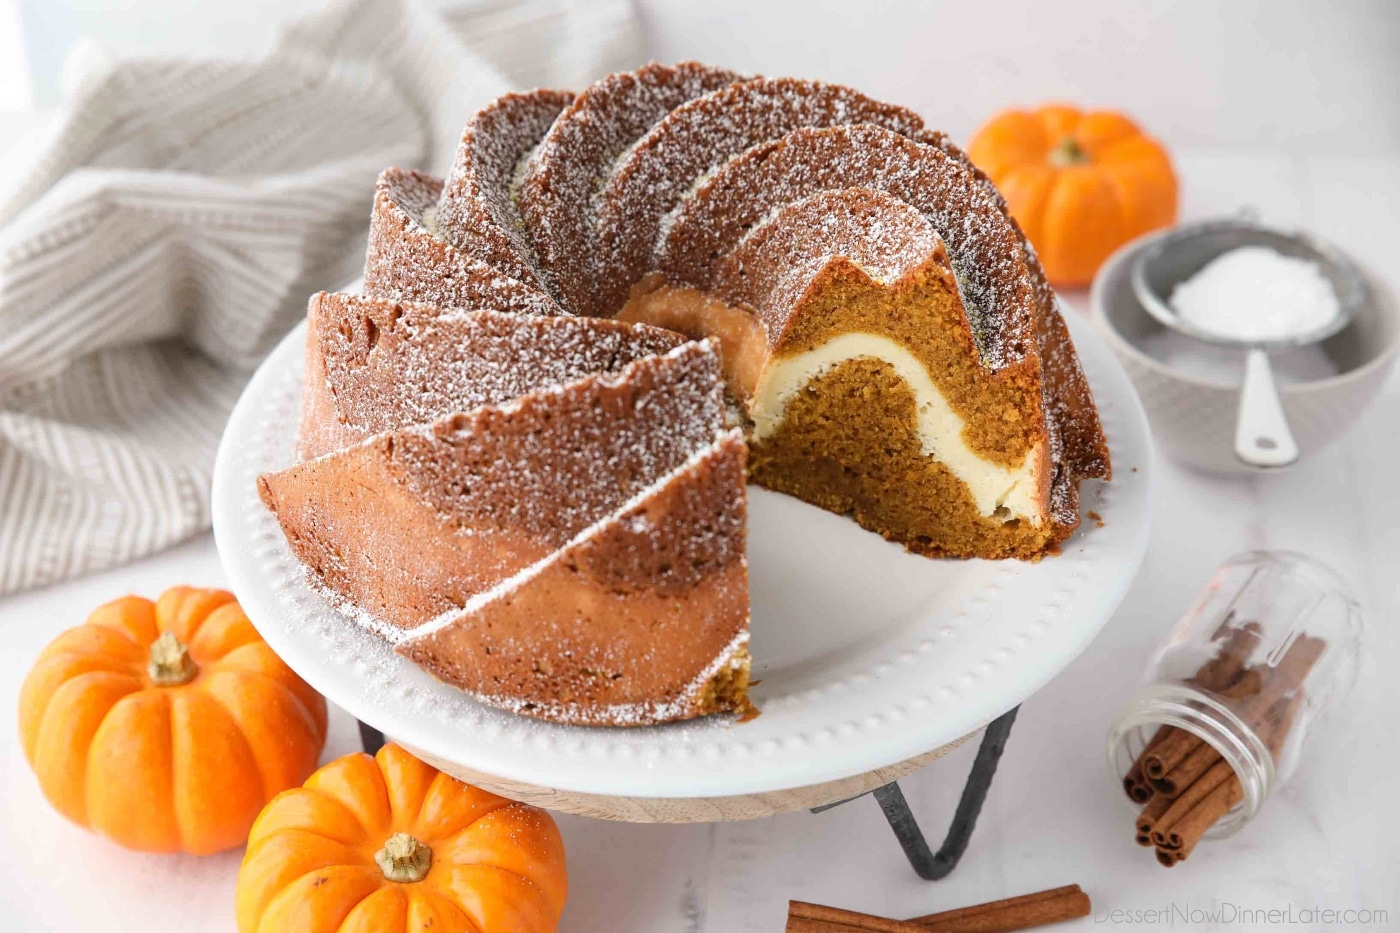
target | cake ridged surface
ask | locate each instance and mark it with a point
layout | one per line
(628, 623)
(771, 267)
(699, 137)
(406, 260)
(566, 172)
(412, 523)
(376, 365)
(981, 244)
(477, 213)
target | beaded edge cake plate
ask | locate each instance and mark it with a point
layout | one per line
(866, 656)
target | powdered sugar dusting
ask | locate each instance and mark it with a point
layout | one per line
(561, 178)
(621, 515)
(585, 660)
(698, 137)
(1077, 441)
(478, 214)
(773, 265)
(547, 426)
(682, 706)
(551, 462)
(406, 260)
(981, 243)
(392, 364)
(412, 522)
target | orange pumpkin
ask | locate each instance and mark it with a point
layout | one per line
(167, 726)
(390, 843)
(1080, 184)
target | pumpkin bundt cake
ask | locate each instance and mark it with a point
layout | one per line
(517, 459)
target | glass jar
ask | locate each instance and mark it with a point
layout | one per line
(1270, 642)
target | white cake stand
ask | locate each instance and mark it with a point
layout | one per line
(872, 661)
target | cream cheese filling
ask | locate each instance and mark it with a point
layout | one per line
(1014, 490)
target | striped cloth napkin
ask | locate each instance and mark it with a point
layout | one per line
(166, 228)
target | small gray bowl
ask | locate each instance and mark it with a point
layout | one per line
(1192, 413)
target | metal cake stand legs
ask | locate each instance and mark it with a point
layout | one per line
(928, 864)
(371, 739)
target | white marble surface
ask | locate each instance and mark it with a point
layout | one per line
(1053, 817)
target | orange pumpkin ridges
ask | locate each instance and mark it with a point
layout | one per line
(1080, 184)
(166, 726)
(391, 843)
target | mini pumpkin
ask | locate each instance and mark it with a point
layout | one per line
(166, 726)
(391, 843)
(1080, 184)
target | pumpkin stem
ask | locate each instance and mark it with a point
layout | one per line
(404, 858)
(1068, 152)
(170, 664)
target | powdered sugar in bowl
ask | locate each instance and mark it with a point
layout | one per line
(1191, 388)
(1235, 284)
(1257, 293)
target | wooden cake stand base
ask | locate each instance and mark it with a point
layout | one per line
(691, 809)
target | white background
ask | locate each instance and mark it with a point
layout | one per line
(1290, 107)
(1313, 75)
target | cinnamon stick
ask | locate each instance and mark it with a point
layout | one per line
(1285, 679)
(1212, 795)
(1229, 662)
(1281, 723)
(1003, 916)
(1205, 814)
(1164, 832)
(1202, 758)
(817, 918)
(1171, 752)
(1012, 913)
(1151, 815)
(1175, 750)
(1135, 782)
(1221, 673)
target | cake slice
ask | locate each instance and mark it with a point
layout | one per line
(642, 617)
(374, 365)
(413, 522)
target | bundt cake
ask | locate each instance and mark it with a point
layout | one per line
(519, 454)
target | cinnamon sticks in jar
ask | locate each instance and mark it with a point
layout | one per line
(1182, 781)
